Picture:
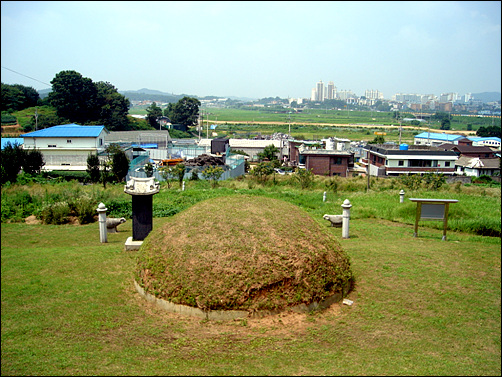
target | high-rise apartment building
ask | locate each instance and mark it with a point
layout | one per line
(320, 91)
(373, 94)
(331, 90)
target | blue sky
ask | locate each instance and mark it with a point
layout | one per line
(256, 49)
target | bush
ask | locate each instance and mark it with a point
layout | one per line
(55, 213)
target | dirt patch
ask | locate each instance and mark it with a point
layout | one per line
(32, 220)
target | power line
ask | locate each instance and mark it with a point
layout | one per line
(26, 76)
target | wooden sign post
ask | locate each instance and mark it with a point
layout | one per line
(432, 209)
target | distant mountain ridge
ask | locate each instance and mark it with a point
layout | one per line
(487, 96)
(157, 95)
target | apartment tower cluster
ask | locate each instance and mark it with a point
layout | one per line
(323, 92)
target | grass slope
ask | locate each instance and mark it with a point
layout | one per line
(422, 306)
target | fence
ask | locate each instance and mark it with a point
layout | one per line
(235, 167)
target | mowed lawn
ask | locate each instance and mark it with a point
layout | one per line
(421, 306)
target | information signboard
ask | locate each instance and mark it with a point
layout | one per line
(432, 209)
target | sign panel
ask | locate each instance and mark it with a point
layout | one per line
(432, 211)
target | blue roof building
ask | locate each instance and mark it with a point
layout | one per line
(493, 142)
(434, 139)
(68, 130)
(66, 147)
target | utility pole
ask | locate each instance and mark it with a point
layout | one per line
(36, 118)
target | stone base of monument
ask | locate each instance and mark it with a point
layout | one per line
(130, 244)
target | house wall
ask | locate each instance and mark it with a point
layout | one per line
(325, 165)
(64, 142)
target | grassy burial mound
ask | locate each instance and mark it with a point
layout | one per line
(242, 253)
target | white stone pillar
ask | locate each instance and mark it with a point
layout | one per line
(103, 234)
(401, 196)
(345, 218)
(324, 196)
(183, 186)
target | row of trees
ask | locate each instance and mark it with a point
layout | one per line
(14, 159)
(185, 111)
(114, 166)
(18, 97)
(77, 99)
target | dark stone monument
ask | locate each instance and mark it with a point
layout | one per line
(142, 191)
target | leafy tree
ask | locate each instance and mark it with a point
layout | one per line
(304, 177)
(445, 124)
(185, 111)
(379, 139)
(82, 101)
(33, 161)
(114, 107)
(148, 168)
(105, 172)
(12, 158)
(490, 131)
(75, 97)
(167, 172)
(93, 169)
(262, 171)
(153, 112)
(120, 165)
(18, 97)
(269, 153)
(179, 172)
(213, 173)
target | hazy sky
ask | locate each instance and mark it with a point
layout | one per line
(256, 49)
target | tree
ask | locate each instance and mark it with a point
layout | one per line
(153, 112)
(148, 168)
(18, 97)
(93, 170)
(269, 153)
(262, 171)
(445, 124)
(12, 158)
(379, 139)
(213, 173)
(114, 107)
(490, 131)
(82, 101)
(74, 97)
(179, 172)
(304, 177)
(185, 111)
(33, 161)
(120, 165)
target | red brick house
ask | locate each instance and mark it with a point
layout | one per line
(328, 162)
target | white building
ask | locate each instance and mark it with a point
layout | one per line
(66, 147)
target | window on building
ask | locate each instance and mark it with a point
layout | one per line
(400, 163)
(68, 141)
(337, 160)
(51, 146)
(447, 164)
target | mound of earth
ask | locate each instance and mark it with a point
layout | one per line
(242, 253)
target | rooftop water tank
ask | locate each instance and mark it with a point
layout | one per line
(403, 147)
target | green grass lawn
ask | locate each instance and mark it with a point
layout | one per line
(422, 306)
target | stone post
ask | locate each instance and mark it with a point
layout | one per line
(103, 233)
(345, 218)
(401, 196)
(324, 196)
(183, 186)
